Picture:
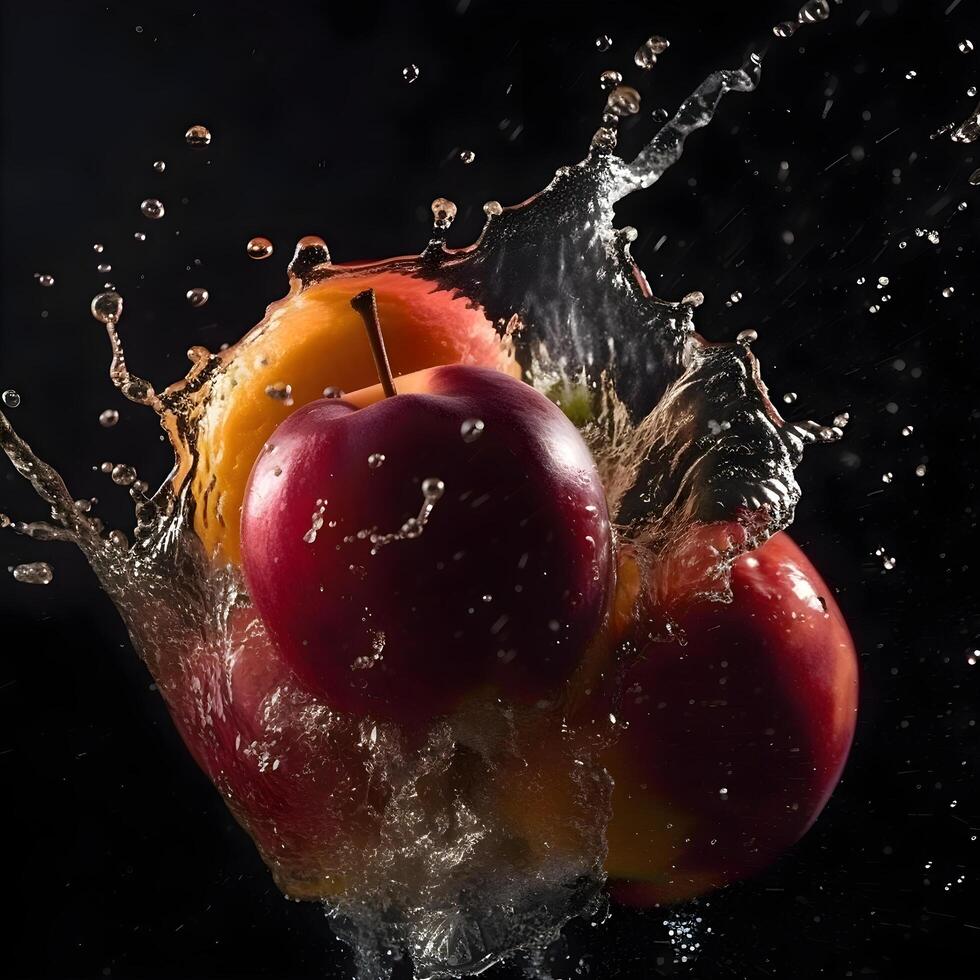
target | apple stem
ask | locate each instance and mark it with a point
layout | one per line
(366, 305)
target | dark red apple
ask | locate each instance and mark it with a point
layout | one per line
(736, 738)
(444, 543)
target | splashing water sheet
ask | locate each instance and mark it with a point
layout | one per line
(684, 435)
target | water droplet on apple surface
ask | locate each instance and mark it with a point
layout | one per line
(280, 392)
(472, 429)
(376, 460)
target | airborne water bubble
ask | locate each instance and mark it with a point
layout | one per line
(443, 212)
(33, 573)
(624, 100)
(198, 135)
(108, 418)
(197, 296)
(107, 307)
(159, 166)
(646, 53)
(814, 11)
(410, 73)
(608, 80)
(11, 398)
(153, 208)
(603, 42)
(259, 248)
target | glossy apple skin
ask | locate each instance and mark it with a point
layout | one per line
(499, 595)
(760, 701)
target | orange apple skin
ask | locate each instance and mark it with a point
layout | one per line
(734, 740)
(312, 340)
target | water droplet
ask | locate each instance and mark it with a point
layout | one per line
(108, 418)
(972, 91)
(747, 337)
(695, 298)
(814, 11)
(11, 398)
(310, 252)
(107, 307)
(933, 237)
(889, 563)
(44, 279)
(646, 53)
(962, 206)
(472, 429)
(443, 212)
(789, 397)
(198, 136)
(736, 297)
(103, 267)
(98, 248)
(908, 430)
(786, 29)
(123, 474)
(624, 100)
(376, 460)
(433, 488)
(410, 73)
(974, 178)
(139, 236)
(280, 392)
(965, 46)
(608, 80)
(882, 281)
(152, 208)
(948, 291)
(197, 296)
(159, 166)
(723, 791)
(332, 392)
(920, 470)
(909, 75)
(259, 248)
(603, 42)
(887, 477)
(33, 573)
(493, 208)
(467, 156)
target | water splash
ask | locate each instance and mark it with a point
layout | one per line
(683, 432)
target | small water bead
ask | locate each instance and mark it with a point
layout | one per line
(280, 392)
(608, 80)
(98, 248)
(333, 392)
(433, 488)
(646, 53)
(747, 337)
(376, 460)
(123, 474)
(789, 397)
(882, 281)
(814, 11)
(410, 73)
(467, 156)
(108, 418)
(443, 212)
(888, 563)
(842, 419)
(962, 206)
(492, 209)
(139, 236)
(965, 46)
(33, 573)
(736, 297)
(44, 280)
(909, 75)
(472, 429)
(159, 166)
(107, 307)
(695, 298)
(920, 470)
(887, 477)
(948, 291)
(908, 430)
(624, 100)
(197, 296)
(933, 237)
(972, 91)
(259, 248)
(105, 468)
(603, 42)
(974, 178)
(152, 208)
(103, 267)
(786, 29)
(11, 398)
(197, 136)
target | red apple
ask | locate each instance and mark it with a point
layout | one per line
(736, 736)
(446, 542)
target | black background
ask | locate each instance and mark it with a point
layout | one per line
(123, 860)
